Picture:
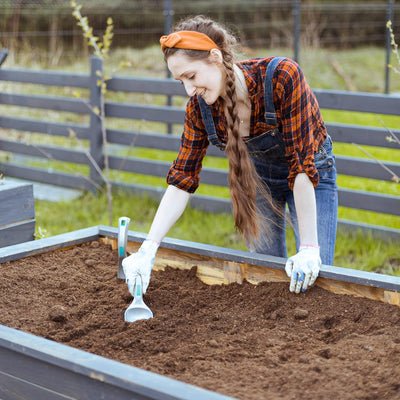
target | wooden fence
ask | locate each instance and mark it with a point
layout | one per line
(167, 114)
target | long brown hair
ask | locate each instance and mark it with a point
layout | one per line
(244, 182)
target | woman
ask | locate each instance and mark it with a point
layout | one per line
(263, 114)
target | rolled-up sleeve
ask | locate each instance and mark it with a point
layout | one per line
(185, 170)
(303, 129)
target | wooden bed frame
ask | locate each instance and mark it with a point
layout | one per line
(32, 367)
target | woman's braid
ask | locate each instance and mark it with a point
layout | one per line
(244, 183)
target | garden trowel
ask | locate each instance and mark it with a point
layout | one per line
(138, 309)
(123, 225)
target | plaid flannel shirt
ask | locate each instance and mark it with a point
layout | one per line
(298, 116)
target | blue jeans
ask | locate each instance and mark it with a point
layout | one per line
(268, 154)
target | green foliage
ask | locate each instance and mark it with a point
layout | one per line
(101, 48)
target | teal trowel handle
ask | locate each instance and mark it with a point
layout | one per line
(123, 225)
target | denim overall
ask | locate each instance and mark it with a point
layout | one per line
(267, 152)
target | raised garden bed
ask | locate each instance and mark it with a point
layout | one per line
(225, 325)
(17, 212)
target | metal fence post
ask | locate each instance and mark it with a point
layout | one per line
(296, 29)
(96, 139)
(389, 17)
(168, 15)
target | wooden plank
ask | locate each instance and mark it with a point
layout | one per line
(354, 289)
(47, 152)
(51, 243)
(44, 176)
(19, 232)
(150, 140)
(78, 106)
(382, 203)
(16, 202)
(167, 114)
(363, 168)
(48, 78)
(13, 387)
(217, 265)
(391, 297)
(209, 251)
(140, 165)
(211, 176)
(362, 135)
(214, 271)
(75, 374)
(381, 232)
(39, 126)
(363, 102)
(146, 85)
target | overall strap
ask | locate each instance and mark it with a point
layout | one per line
(270, 115)
(209, 123)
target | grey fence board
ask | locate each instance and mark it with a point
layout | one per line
(365, 102)
(65, 104)
(211, 176)
(369, 201)
(140, 166)
(42, 151)
(48, 78)
(16, 203)
(41, 175)
(361, 135)
(365, 168)
(47, 127)
(144, 139)
(146, 85)
(219, 177)
(166, 114)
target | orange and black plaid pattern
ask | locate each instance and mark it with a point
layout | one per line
(298, 116)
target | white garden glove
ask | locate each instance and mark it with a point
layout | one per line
(140, 263)
(303, 268)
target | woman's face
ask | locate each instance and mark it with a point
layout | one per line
(200, 77)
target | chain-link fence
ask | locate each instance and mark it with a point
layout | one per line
(258, 23)
(48, 25)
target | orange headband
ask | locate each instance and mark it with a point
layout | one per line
(187, 40)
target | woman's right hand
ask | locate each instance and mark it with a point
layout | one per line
(140, 263)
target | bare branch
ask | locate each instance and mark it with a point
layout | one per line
(395, 178)
(393, 136)
(50, 157)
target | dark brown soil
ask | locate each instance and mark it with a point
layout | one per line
(245, 341)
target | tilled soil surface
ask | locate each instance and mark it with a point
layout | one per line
(245, 341)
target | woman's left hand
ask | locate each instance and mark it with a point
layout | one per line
(303, 268)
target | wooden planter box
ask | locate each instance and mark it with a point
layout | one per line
(17, 213)
(32, 367)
